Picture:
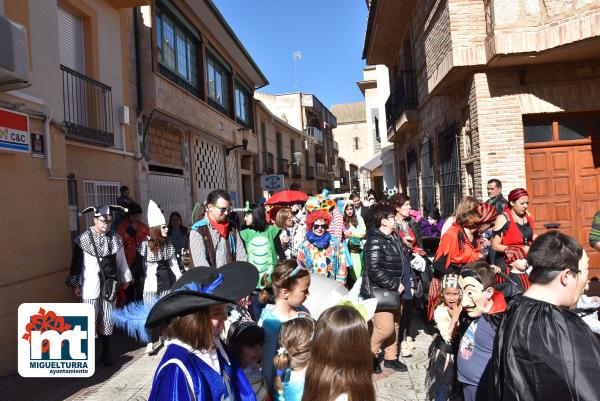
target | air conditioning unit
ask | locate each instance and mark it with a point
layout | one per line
(14, 56)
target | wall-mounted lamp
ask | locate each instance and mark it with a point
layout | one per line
(244, 144)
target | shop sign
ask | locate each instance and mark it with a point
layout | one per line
(272, 182)
(14, 131)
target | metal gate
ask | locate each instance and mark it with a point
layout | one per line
(448, 156)
(427, 175)
(413, 179)
(171, 195)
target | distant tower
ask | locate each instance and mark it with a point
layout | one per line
(297, 56)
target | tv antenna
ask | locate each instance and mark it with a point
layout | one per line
(297, 56)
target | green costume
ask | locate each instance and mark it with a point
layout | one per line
(261, 251)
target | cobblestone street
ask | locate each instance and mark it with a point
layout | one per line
(132, 382)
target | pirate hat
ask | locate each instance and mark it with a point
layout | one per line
(102, 210)
(204, 286)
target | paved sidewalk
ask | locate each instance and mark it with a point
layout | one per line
(133, 380)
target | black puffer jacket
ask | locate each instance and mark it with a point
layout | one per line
(383, 261)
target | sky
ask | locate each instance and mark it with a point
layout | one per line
(328, 33)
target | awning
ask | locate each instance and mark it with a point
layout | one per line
(372, 164)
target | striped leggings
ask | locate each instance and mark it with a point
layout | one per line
(103, 313)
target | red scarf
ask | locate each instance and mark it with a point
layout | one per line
(222, 228)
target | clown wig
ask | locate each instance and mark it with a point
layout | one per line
(317, 215)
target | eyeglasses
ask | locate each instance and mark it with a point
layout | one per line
(323, 226)
(389, 217)
(104, 221)
(223, 209)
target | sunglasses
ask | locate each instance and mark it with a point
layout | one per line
(323, 226)
(223, 209)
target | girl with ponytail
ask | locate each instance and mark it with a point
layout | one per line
(292, 357)
(289, 286)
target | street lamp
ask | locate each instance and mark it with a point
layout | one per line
(244, 145)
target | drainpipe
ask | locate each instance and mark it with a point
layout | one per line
(138, 75)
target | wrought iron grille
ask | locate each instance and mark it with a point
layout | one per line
(88, 110)
(402, 97)
(413, 179)
(427, 175)
(448, 156)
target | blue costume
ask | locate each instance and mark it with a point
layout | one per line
(292, 386)
(183, 376)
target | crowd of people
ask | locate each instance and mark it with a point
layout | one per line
(227, 297)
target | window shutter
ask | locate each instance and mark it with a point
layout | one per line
(70, 40)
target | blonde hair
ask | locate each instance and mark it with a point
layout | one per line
(466, 204)
(295, 339)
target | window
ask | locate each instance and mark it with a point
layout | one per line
(572, 128)
(70, 40)
(97, 193)
(176, 52)
(263, 136)
(375, 128)
(538, 131)
(217, 79)
(242, 105)
(356, 142)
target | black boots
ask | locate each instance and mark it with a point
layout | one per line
(106, 357)
(376, 366)
(395, 364)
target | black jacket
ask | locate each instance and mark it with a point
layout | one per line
(383, 261)
(499, 202)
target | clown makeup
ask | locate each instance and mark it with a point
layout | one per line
(475, 299)
(319, 227)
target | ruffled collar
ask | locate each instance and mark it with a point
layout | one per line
(321, 242)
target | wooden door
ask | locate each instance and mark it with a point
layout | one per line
(563, 183)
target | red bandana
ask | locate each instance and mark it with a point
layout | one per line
(222, 228)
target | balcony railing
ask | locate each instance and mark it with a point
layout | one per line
(315, 133)
(321, 171)
(402, 97)
(88, 109)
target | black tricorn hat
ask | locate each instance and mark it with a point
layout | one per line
(204, 286)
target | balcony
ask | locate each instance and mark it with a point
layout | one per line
(315, 133)
(403, 97)
(88, 108)
(321, 171)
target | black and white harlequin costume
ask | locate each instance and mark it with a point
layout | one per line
(86, 274)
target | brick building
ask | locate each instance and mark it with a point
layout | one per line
(278, 142)
(194, 95)
(306, 113)
(502, 89)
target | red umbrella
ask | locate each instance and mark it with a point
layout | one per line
(287, 197)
